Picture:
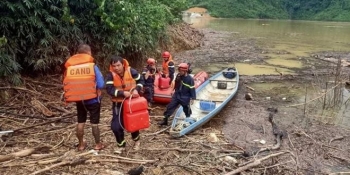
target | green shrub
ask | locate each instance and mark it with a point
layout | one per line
(42, 34)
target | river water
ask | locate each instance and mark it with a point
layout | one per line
(297, 38)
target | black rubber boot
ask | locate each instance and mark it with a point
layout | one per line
(164, 122)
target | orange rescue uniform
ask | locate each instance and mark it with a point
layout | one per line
(79, 81)
(126, 83)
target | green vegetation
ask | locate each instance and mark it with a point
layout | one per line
(38, 36)
(330, 10)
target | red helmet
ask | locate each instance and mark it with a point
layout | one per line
(166, 54)
(183, 66)
(151, 61)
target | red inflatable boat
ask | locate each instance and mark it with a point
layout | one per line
(163, 95)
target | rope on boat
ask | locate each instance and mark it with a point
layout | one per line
(182, 123)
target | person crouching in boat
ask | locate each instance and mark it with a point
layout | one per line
(184, 93)
(122, 82)
(168, 66)
(148, 74)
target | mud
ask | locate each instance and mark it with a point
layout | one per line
(313, 147)
(183, 37)
(244, 123)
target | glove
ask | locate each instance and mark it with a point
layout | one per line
(189, 71)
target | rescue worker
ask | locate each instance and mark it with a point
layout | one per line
(168, 66)
(82, 84)
(149, 73)
(184, 93)
(122, 82)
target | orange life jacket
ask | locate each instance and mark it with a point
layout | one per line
(166, 67)
(126, 83)
(79, 82)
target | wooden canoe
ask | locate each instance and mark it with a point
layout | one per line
(212, 96)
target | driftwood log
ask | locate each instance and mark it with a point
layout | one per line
(21, 153)
(254, 163)
(69, 159)
(65, 116)
(279, 134)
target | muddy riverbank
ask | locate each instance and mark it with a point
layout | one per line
(314, 145)
(309, 145)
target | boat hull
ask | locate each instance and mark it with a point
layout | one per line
(218, 90)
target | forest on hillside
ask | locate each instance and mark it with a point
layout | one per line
(326, 10)
(36, 37)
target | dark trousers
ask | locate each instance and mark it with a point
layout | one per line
(148, 93)
(94, 110)
(175, 102)
(117, 125)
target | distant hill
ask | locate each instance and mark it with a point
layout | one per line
(327, 10)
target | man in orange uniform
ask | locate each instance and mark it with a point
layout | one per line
(82, 84)
(168, 66)
(149, 75)
(184, 94)
(122, 82)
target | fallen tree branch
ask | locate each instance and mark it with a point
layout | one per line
(20, 115)
(156, 116)
(189, 150)
(21, 153)
(117, 161)
(253, 164)
(278, 71)
(272, 166)
(336, 138)
(44, 123)
(59, 109)
(41, 107)
(250, 88)
(160, 131)
(76, 159)
(50, 167)
(184, 167)
(125, 158)
(23, 89)
(59, 86)
(73, 162)
(279, 134)
(339, 158)
(200, 143)
(340, 173)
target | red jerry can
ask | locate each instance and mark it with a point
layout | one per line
(135, 114)
(163, 83)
